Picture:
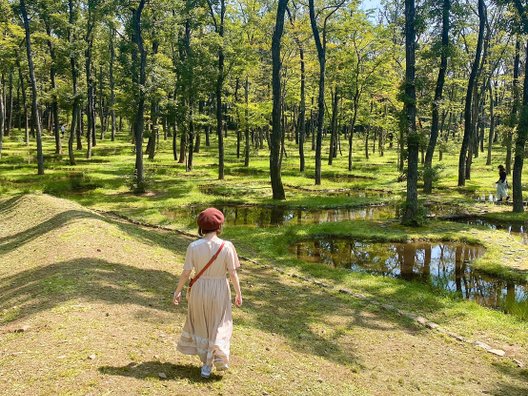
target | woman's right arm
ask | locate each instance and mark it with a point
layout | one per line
(233, 275)
(177, 297)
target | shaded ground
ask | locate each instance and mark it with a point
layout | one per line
(96, 294)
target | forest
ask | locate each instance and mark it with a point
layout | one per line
(353, 148)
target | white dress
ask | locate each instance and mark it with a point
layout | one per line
(209, 325)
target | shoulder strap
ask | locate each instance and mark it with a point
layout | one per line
(207, 265)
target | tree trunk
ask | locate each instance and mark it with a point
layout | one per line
(522, 135)
(410, 215)
(73, 66)
(9, 108)
(33, 84)
(175, 143)
(428, 171)
(219, 26)
(515, 107)
(333, 136)
(24, 102)
(89, 81)
(277, 132)
(54, 103)
(468, 127)
(139, 77)
(492, 123)
(111, 104)
(101, 103)
(2, 114)
(246, 130)
(321, 56)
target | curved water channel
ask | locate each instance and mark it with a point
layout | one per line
(443, 265)
(447, 266)
(263, 216)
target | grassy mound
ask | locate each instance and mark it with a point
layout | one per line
(86, 308)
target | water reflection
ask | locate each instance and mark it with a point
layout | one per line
(443, 265)
(265, 216)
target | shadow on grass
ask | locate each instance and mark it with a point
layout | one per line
(152, 369)
(11, 242)
(505, 389)
(9, 204)
(44, 288)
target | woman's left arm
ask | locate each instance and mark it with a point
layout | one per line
(177, 297)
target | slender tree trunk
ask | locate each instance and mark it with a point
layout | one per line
(154, 110)
(468, 126)
(101, 103)
(428, 171)
(89, 81)
(351, 134)
(54, 103)
(320, 45)
(277, 132)
(24, 102)
(219, 27)
(175, 143)
(367, 133)
(112, 85)
(492, 123)
(522, 136)
(2, 114)
(515, 107)
(139, 77)
(80, 128)
(410, 215)
(9, 108)
(302, 111)
(333, 136)
(73, 66)
(246, 129)
(33, 84)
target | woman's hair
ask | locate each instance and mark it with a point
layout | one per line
(500, 167)
(203, 232)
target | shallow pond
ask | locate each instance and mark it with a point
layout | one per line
(443, 265)
(262, 216)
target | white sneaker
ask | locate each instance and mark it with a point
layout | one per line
(206, 371)
(222, 367)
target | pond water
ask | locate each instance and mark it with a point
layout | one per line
(443, 265)
(262, 216)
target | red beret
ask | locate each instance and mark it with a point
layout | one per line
(210, 220)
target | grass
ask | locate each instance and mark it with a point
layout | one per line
(104, 323)
(103, 285)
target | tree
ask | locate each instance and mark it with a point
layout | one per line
(468, 125)
(218, 11)
(435, 122)
(277, 132)
(411, 215)
(320, 38)
(34, 92)
(522, 129)
(139, 59)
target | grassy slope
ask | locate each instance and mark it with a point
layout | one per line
(89, 285)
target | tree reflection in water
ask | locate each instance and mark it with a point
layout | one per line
(443, 265)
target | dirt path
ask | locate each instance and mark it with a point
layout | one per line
(85, 308)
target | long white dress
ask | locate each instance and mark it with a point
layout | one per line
(502, 190)
(209, 325)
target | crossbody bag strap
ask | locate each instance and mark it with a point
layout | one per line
(191, 282)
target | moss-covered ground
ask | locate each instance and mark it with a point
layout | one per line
(90, 285)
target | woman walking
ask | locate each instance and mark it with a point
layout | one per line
(502, 185)
(209, 325)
